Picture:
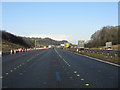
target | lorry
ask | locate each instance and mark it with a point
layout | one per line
(67, 45)
(108, 45)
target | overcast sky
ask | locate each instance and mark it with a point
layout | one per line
(70, 21)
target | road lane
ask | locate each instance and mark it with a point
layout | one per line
(55, 68)
(12, 61)
(100, 74)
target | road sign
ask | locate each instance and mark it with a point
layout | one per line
(81, 43)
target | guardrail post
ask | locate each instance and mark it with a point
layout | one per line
(77, 50)
(116, 55)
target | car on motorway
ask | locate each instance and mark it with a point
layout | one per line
(81, 48)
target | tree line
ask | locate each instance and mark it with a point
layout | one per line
(106, 34)
(26, 41)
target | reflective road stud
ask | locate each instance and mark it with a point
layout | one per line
(11, 70)
(78, 75)
(87, 84)
(82, 79)
(6, 73)
(75, 71)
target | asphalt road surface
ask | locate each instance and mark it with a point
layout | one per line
(56, 68)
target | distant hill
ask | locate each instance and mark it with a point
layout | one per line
(11, 38)
(48, 41)
(11, 41)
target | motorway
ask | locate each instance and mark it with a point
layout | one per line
(56, 68)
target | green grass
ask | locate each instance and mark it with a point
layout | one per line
(105, 57)
(114, 47)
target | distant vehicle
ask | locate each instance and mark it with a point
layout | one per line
(81, 49)
(67, 45)
(49, 46)
(45, 46)
(108, 45)
(62, 45)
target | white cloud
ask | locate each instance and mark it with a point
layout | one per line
(58, 37)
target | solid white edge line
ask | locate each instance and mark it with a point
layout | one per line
(96, 59)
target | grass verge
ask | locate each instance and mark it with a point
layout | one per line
(105, 57)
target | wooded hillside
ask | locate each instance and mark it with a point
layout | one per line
(106, 34)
